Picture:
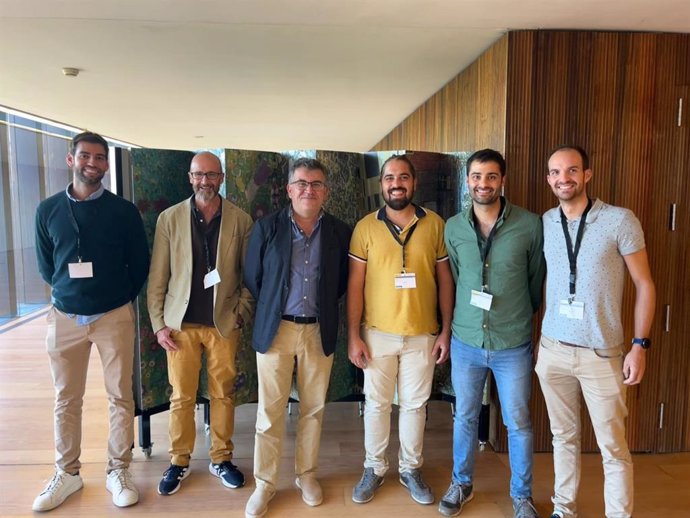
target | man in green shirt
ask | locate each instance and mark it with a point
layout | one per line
(496, 257)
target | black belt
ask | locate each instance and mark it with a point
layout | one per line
(300, 320)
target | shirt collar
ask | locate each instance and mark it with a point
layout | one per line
(90, 197)
(196, 210)
(502, 216)
(420, 212)
(592, 215)
(294, 223)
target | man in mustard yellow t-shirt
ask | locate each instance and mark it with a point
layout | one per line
(399, 276)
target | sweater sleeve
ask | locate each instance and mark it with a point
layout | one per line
(137, 253)
(44, 248)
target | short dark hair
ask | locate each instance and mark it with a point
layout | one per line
(402, 158)
(91, 138)
(310, 164)
(571, 147)
(487, 155)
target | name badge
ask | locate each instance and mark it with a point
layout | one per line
(80, 270)
(572, 310)
(481, 299)
(211, 278)
(405, 281)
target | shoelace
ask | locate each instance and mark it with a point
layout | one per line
(226, 465)
(524, 508)
(124, 479)
(369, 476)
(454, 492)
(176, 471)
(55, 483)
(417, 477)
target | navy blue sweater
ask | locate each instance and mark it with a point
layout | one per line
(112, 238)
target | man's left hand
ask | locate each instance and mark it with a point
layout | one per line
(634, 365)
(441, 348)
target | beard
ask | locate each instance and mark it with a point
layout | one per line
(84, 178)
(205, 194)
(485, 201)
(398, 203)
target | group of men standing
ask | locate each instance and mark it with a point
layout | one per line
(418, 292)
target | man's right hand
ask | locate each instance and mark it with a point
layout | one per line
(165, 340)
(358, 352)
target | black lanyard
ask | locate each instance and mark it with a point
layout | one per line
(572, 254)
(75, 226)
(396, 236)
(486, 248)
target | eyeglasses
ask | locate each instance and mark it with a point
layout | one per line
(198, 175)
(303, 184)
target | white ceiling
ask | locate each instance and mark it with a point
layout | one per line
(273, 74)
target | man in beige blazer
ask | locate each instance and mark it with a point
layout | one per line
(197, 302)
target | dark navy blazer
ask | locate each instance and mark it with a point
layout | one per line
(267, 274)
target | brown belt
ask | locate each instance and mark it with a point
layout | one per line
(572, 345)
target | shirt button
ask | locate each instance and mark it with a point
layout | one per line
(306, 262)
(305, 297)
(306, 280)
(486, 265)
(485, 326)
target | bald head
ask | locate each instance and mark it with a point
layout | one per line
(206, 176)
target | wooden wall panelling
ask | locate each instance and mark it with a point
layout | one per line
(468, 113)
(668, 252)
(681, 45)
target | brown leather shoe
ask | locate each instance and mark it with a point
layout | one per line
(311, 489)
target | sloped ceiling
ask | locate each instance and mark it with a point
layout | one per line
(272, 75)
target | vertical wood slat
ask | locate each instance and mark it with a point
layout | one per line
(466, 114)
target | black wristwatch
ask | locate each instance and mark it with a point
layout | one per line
(645, 343)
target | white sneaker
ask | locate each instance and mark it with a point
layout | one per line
(58, 489)
(120, 484)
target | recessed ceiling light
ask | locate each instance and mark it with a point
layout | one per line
(70, 71)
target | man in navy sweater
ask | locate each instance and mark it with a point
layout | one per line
(92, 250)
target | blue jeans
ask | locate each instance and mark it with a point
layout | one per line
(512, 370)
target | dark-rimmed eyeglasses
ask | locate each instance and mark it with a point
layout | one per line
(198, 175)
(303, 184)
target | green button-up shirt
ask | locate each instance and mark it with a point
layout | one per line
(515, 271)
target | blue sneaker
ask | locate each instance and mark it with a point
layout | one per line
(228, 474)
(172, 478)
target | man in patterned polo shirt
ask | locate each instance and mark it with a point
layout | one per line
(588, 245)
(399, 276)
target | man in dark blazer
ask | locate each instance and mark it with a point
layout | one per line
(296, 268)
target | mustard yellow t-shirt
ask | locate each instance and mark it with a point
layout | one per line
(394, 310)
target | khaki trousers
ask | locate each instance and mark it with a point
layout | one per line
(298, 344)
(405, 361)
(564, 373)
(184, 366)
(68, 348)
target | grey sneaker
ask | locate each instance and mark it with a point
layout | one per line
(363, 492)
(419, 491)
(455, 498)
(524, 508)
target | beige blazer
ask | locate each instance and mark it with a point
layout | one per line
(170, 277)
